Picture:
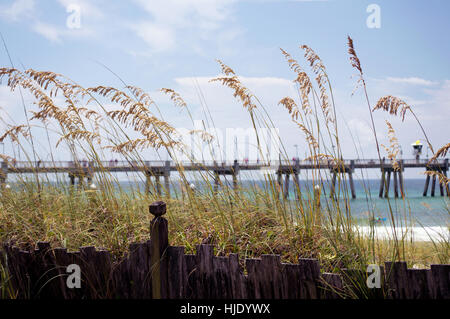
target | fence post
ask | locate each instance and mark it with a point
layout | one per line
(159, 243)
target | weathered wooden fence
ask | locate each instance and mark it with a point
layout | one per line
(154, 269)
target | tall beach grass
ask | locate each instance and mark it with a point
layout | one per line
(90, 123)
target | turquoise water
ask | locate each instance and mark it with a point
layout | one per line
(417, 209)
(422, 211)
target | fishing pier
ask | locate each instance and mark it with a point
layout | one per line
(284, 169)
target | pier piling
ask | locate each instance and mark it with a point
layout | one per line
(383, 180)
(433, 185)
(333, 184)
(395, 184)
(286, 186)
(352, 186)
(427, 181)
(400, 175)
(388, 181)
(440, 168)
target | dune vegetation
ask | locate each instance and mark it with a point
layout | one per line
(249, 221)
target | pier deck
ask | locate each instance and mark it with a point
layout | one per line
(82, 169)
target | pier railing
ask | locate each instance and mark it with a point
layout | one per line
(175, 164)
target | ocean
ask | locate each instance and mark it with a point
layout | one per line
(422, 217)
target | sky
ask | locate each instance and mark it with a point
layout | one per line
(403, 47)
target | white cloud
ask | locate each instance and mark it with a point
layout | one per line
(87, 9)
(269, 90)
(361, 131)
(48, 31)
(186, 23)
(17, 10)
(438, 103)
(431, 104)
(56, 33)
(441, 96)
(11, 108)
(411, 100)
(156, 36)
(27, 11)
(182, 13)
(412, 81)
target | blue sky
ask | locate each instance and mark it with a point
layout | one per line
(174, 43)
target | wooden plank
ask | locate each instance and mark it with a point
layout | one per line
(192, 292)
(441, 279)
(222, 276)
(397, 279)
(432, 287)
(121, 280)
(90, 283)
(253, 284)
(310, 273)
(177, 273)
(284, 280)
(75, 258)
(419, 284)
(205, 272)
(47, 283)
(331, 286)
(292, 273)
(272, 283)
(132, 270)
(18, 268)
(139, 270)
(159, 243)
(354, 281)
(61, 263)
(103, 263)
(237, 277)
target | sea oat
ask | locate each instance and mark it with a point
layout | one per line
(330, 159)
(321, 78)
(225, 68)
(309, 136)
(394, 147)
(354, 60)
(303, 81)
(240, 91)
(80, 135)
(141, 95)
(151, 140)
(353, 57)
(14, 131)
(442, 152)
(205, 136)
(291, 106)
(392, 104)
(175, 97)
